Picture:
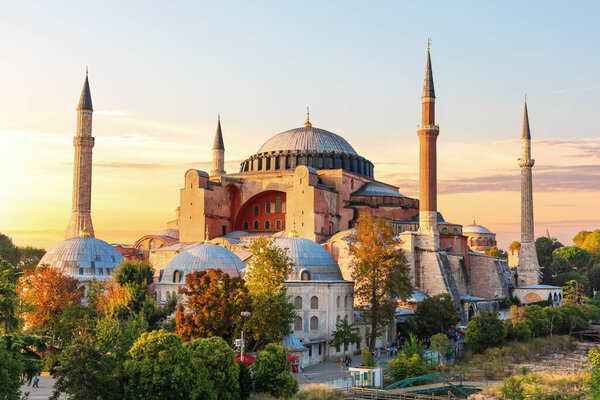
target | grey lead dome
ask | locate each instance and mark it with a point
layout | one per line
(202, 257)
(309, 139)
(309, 256)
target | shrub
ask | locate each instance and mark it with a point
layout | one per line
(403, 367)
(271, 373)
(484, 331)
(245, 381)
(317, 392)
(513, 388)
(367, 357)
(520, 331)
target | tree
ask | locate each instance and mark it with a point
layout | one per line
(574, 294)
(576, 257)
(219, 360)
(494, 251)
(29, 257)
(404, 367)
(484, 331)
(436, 314)
(19, 363)
(8, 250)
(245, 380)
(272, 310)
(345, 334)
(579, 239)
(592, 244)
(367, 357)
(380, 272)
(515, 245)
(9, 299)
(544, 247)
(45, 292)
(594, 277)
(271, 373)
(214, 304)
(160, 367)
(594, 381)
(439, 343)
(563, 278)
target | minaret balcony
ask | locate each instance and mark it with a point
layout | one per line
(429, 128)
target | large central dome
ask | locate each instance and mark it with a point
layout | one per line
(307, 138)
(310, 146)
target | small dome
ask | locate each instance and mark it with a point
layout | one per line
(307, 138)
(311, 257)
(474, 228)
(83, 258)
(202, 257)
(174, 233)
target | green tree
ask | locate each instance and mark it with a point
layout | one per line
(563, 278)
(19, 362)
(245, 381)
(544, 247)
(579, 239)
(367, 357)
(380, 272)
(272, 310)
(8, 250)
(345, 334)
(219, 360)
(577, 258)
(439, 343)
(9, 298)
(592, 244)
(404, 367)
(594, 277)
(574, 294)
(484, 331)
(513, 389)
(436, 314)
(29, 257)
(271, 373)
(515, 245)
(161, 367)
(494, 251)
(594, 381)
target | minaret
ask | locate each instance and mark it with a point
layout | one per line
(428, 133)
(81, 220)
(218, 162)
(528, 269)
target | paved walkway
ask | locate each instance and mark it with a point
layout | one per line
(329, 370)
(43, 392)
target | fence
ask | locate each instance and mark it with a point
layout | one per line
(378, 394)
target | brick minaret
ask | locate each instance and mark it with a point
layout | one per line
(81, 220)
(218, 161)
(428, 133)
(528, 269)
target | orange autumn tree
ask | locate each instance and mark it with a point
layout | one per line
(44, 293)
(214, 303)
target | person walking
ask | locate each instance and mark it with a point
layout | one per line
(36, 382)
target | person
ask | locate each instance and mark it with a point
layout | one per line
(349, 361)
(36, 382)
(341, 362)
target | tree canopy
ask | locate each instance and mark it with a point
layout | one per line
(380, 272)
(484, 331)
(436, 314)
(271, 373)
(494, 251)
(544, 247)
(345, 334)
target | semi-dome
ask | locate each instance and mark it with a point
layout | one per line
(310, 146)
(202, 257)
(174, 233)
(310, 260)
(474, 228)
(83, 258)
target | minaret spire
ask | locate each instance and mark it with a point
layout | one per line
(218, 165)
(80, 223)
(528, 269)
(428, 133)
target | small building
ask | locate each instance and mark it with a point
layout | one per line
(535, 293)
(367, 376)
(479, 238)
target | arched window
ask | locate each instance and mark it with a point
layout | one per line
(268, 207)
(256, 209)
(177, 276)
(151, 244)
(298, 324)
(305, 276)
(141, 249)
(159, 295)
(338, 302)
(345, 301)
(255, 224)
(314, 323)
(314, 303)
(444, 231)
(455, 231)
(246, 225)
(167, 296)
(338, 320)
(278, 224)
(298, 303)
(267, 224)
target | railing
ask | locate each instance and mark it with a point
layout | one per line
(378, 394)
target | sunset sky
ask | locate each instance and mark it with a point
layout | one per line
(161, 71)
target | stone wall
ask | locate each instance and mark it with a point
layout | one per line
(490, 276)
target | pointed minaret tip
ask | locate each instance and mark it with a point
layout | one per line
(525, 133)
(85, 100)
(428, 89)
(219, 144)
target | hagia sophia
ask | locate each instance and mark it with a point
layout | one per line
(305, 187)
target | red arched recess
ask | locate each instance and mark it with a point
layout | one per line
(264, 212)
(235, 200)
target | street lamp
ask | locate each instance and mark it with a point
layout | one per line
(244, 314)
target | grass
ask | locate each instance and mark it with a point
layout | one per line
(545, 382)
(310, 392)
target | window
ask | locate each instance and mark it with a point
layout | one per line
(278, 224)
(305, 276)
(256, 209)
(298, 303)
(314, 323)
(268, 164)
(314, 303)
(345, 301)
(267, 225)
(177, 276)
(268, 207)
(141, 248)
(278, 163)
(338, 302)
(320, 348)
(255, 225)
(309, 351)
(245, 225)
(298, 324)
(338, 320)
(444, 231)
(455, 231)
(223, 230)
(288, 162)
(278, 207)
(319, 163)
(260, 164)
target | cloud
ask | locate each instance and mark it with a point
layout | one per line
(141, 165)
(115, 113)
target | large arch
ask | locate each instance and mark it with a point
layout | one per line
(271, 207)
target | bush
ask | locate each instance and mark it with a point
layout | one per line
(317, 392)
(367, 357)
(520, 331)
(271, 373)
(484, 331)
(403, 367)
(245, 381)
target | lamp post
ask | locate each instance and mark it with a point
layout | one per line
(244, 314)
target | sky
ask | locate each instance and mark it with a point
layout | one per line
(160, 72)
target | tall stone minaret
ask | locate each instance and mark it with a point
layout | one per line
(528, 269)
(428, 132)
(81, 219)
(218, 161)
